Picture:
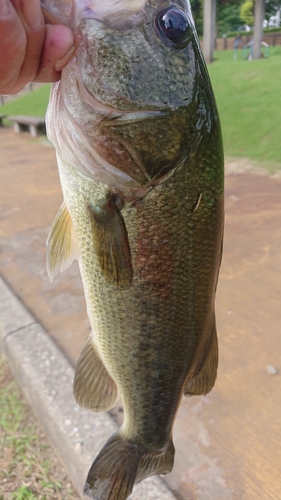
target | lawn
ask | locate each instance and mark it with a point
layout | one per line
(248, 97)
(29, 468)
(33, 103)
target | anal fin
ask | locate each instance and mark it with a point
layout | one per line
(204, 381)
(111, 242)
(93, 387)
(61, 249)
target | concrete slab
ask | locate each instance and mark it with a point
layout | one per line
(45, 377)
(13, 317)
(227, 444)
(30, 197)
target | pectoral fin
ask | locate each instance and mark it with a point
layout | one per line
(204, 381)
(61, 249)
(93, 387)
(111, 242)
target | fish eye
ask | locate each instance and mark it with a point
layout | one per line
(172, 23)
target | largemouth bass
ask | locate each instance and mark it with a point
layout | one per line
(138, 140)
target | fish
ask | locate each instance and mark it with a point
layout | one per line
(139, 148)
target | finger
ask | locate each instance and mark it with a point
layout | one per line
(32, 19)
(58, 49)
(13, 44)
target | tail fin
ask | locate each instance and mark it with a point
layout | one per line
(121, 464)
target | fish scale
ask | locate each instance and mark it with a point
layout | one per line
(153, 297)
(140, 158)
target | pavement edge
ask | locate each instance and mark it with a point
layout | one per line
(45, 377)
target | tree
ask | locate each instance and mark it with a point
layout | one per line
(229, 13)
(228, 17)
(258, 29)
(271, 8)
(210, 7)
(246, 12)
(197, 11)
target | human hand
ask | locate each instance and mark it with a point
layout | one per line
(30, 50)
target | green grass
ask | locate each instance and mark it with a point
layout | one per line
(33, 103)
(29, 469)
(248, 98)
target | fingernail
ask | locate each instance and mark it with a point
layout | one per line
(32, 13)
(61, 63)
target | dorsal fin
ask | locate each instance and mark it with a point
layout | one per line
(111, 241)
(61, 249)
